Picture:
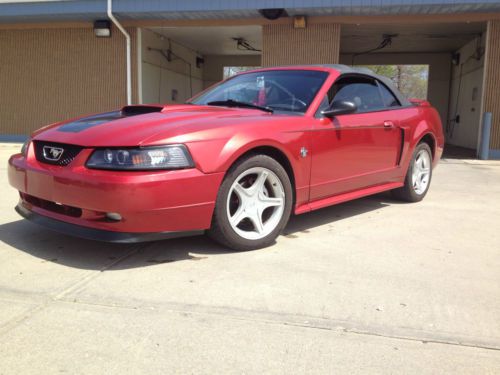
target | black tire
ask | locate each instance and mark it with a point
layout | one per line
(221, 230)
(407, 193)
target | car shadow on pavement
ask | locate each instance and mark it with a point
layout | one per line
(79, 253)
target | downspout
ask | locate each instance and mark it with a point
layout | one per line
(129, 58)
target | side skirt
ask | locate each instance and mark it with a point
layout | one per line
(330, 201)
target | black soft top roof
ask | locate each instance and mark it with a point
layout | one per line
(348, 70)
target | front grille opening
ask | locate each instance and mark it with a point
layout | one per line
(52, 206)
(43, 152)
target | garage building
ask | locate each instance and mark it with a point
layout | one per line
(62, 59)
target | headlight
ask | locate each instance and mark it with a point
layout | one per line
(24, 147)
(162, 157)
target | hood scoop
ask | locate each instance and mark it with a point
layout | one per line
(133, 110)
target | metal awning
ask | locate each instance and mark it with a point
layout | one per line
(88, 10)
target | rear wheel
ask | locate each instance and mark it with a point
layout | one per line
(253, 204)
(418, 177)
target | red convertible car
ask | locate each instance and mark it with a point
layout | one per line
(235, 161)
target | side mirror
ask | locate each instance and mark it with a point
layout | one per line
(340, 107)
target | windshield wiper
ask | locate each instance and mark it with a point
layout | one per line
(236, 103)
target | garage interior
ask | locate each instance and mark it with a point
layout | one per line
(178, 62)
(454, 53)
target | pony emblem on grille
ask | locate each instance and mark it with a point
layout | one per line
(52, 153)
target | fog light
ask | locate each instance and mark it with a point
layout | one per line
(113, 216)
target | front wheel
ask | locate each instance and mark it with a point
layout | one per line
(418, 177)
(253, 204)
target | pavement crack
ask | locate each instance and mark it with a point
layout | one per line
(94, 274)
(423, 341)
(309, 322)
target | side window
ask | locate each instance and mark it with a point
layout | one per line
(388, 97)
(364, 92)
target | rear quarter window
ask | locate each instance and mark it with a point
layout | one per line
(388, 97)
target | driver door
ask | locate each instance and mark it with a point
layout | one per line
(357, 150)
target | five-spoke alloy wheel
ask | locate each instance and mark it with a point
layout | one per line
(421, 171)
(418, 177)
(253, 204)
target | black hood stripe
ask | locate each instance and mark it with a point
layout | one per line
(91, 121)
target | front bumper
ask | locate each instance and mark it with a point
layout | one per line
(148, 202)
(98, 234)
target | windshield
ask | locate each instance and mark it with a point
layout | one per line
(279, 90)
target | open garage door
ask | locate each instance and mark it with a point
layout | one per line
(454, 54)
(179, 62)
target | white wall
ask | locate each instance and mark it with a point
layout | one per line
(161, 77)
(465, 97)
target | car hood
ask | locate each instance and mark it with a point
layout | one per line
(145, 125)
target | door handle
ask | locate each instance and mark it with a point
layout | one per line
(389, 125)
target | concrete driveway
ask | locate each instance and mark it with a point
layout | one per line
(370, 286)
